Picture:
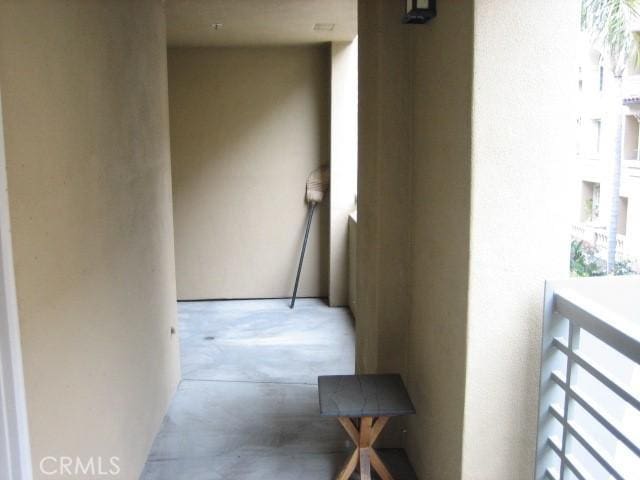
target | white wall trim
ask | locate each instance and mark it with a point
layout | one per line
(344, 164)
(15, 451)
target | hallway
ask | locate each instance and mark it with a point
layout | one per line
(247, 406)
(154, 151)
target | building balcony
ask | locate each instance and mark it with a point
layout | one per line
(589, 167)
(593, 169)
(631, 170)
(597, 237)
(631, 91)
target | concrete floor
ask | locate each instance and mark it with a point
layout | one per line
(247, 407)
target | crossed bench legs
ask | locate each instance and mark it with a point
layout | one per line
(364, 455)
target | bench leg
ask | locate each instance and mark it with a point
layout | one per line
(364, 444)
(379, 467)
(364, 456)
(349, 466)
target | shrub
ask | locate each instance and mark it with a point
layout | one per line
(585, 262)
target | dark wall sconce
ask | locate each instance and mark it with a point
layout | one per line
(420, 11)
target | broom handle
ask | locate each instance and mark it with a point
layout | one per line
(312, 207)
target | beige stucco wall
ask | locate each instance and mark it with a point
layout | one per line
(344, 164)
(247, 127)
(85, 110)
(442, 79)
(519, 220)
(490, 137)
(384, 187)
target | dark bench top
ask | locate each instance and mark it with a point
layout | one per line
(363, 396)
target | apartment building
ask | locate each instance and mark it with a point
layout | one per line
(593, 169)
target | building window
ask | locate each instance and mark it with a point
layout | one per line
(630, 145)
(590, 202)
(594, 137)
(622, 215)
(580, 79)
(601, 78)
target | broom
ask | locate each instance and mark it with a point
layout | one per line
(317, 185)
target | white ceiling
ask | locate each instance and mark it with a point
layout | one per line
(258, 22)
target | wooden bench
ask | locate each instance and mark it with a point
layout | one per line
(363, 405)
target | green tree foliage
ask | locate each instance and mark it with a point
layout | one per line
(585, 262)
(608, 22)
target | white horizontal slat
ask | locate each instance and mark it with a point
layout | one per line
(607, 331)
(554, 443)
(555, 413)
(576, 469)
(595, 413)
(571, 463)
(558, 378)
(600, 376)
(590, 446)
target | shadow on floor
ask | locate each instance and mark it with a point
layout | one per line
(247, 407)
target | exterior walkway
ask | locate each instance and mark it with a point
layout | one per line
(247, 407)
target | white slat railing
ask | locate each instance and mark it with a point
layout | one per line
(589, 417)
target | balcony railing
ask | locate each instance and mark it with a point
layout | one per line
(589, 417)
(631, 170)
(597, 237)
(631, 88)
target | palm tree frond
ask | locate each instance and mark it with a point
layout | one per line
(610, 24)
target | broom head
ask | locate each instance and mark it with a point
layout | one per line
(317, 184)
